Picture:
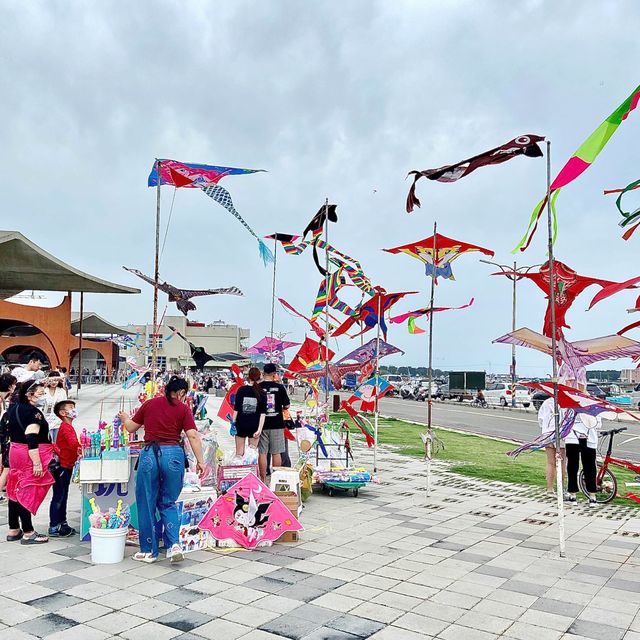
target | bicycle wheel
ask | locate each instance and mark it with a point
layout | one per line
(607, 489)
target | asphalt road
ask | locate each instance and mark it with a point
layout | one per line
(513, 424)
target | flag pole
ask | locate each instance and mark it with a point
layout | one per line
(556, 413)
(326, 306)
(273, 289)
(377, 388)
(154, 337)
(430, 372)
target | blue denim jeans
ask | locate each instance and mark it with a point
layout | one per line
(158, 485)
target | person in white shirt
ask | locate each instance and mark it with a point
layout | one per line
(31, 371)
(582, 443)
(54, 392)
(546, 420)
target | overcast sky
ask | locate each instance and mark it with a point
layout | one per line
(333, 99)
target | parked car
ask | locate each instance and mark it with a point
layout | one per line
(538, 398)
(595, 391)
(442, 392)
(501, 393)
(592, 389)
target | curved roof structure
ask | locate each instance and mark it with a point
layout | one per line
(27, 266)
(92, 323)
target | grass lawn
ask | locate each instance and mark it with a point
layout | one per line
(477, 456)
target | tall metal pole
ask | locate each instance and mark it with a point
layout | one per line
(377, 413)
(154, 337)
(513, 346)
(79, 381)
(326, 305)
(273, 288)
(430, 372)
(556, 413)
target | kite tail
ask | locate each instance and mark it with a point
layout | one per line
(412, 199)
(265, 253)
(523, 245)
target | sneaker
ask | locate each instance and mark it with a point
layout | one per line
(65, 531)
(550, 494)
(569, 497)
(144, 557)
(593, 502)
(176, 554)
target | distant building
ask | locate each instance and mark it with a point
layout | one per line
(631, 376)
(175, 354)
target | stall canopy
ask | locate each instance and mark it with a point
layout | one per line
(26, 266)
(92, 323)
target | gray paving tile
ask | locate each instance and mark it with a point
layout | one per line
(298, 592)
(63, 583)
(184, 620)
(464, 556)
(560, 607)
(288, 575)
(68, 566)
(514, 535)
(529, 588)
(291, 627)
(532, 544)
(360, 627)
(178, 578)
(54, 602)
(325, 633)
(432, 535)
(604, 572)
(278, 560)
(624, 585)
(267, 584)
(46, 625)
(322, 582)
(492, 525)
(498, 572)
(72, 552)
(594, 630)
(315, 614)
(451, 546)
(182, 597)
(299, 554)
(622, 544)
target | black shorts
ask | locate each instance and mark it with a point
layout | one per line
(245, 431)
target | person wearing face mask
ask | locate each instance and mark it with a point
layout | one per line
(161, 466)
(30, 452)
(67, 448)
(54, 392)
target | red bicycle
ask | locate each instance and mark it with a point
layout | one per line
(606, 482)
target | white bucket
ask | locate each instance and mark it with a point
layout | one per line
(107, 545)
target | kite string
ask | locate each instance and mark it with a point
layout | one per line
(166, 231)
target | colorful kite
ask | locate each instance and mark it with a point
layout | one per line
(438, 255)
(201, 357)
(629, 217)
(568, 286)
(370, 350)
(361, 422)
(310, 353)
(182, 297)
(336, 372)
(369, 392)
(317, 329)
(412, 315)
(371, 312)
(249, 513)
(575, 356)
(272, 348)
(574, 404)
(192, 175)
(206, 177)
(581, 160)
(226, 408)
(525, 145)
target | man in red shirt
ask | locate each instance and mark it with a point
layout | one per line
(67, 447)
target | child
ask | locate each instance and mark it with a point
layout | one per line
(67, 447)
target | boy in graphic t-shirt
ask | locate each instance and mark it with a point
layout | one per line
(68, 448)
(272, 437)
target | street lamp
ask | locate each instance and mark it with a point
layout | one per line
(514, 274)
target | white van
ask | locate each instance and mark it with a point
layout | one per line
(500, 393)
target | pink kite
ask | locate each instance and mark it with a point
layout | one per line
(249, 513)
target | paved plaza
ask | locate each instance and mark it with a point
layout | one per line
(474, 561)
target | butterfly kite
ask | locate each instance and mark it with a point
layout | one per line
(206, 177)
(201, 357)
(182, 297)
(272, 348)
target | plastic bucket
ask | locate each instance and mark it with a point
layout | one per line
(107, 545)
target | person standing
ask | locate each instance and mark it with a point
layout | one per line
(54, 392)
(30, 453)
(249, 411)
(272, 436)
(7, 387)
(581, 444)
(546, 420)
(31, 371)
(67, 448)
(161, 466)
